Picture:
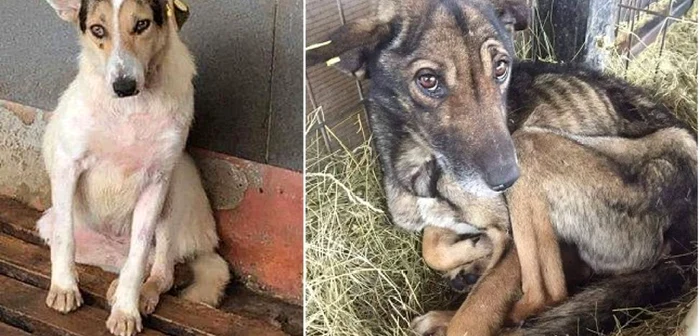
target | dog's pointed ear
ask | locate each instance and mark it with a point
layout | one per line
(66, 9)
(515, 14)
(349, 46)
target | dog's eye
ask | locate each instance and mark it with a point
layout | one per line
(98, 31)
(141, 26)
(428, 82)
(500, 71)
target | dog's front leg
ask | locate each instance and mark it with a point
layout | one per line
(64, 295)
(484, 311)
(125, 319)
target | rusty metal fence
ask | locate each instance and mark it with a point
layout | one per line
(591, 29)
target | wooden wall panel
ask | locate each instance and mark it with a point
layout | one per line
(338, 94)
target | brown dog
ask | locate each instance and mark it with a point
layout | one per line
(536, 199)
(605, 169)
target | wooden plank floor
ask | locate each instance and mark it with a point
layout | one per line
(25, 277)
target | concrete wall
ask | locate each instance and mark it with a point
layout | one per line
(249, 58)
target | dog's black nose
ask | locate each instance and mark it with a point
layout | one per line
(503, 179)
(124, 87)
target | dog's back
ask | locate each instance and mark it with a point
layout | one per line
(577, 100)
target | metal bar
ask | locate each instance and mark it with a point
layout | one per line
(340, 12)
(619, 14)
(309, 92)
(629, 44)
(650, 31)
(324, 132)
(645, 10)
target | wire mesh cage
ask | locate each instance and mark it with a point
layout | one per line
(589, 31)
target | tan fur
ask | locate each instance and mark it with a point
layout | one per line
(487, 305)
(443, 250)
(543, 281)
(544, 276)
(147, 46)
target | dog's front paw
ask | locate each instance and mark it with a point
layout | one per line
(433, 323)
(64, 300)
(122, 322)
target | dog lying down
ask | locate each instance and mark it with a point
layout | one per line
(473, 142)
(125, 195)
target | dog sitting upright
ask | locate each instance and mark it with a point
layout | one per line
(120, 179)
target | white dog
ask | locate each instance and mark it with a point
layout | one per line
(120, 178)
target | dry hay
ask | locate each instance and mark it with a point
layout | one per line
(363, 276)
(366, 277)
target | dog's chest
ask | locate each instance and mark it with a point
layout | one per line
(137, 142)
(125, 150)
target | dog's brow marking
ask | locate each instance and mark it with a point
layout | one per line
(454, 8)
(82, 14)
(412, 32)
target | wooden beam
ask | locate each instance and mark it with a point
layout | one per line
(578, 30)
(22, 304)
(31, 264)
(8, 330)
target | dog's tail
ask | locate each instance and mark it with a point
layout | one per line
(600, 308)
(211, 275)
(616, 300)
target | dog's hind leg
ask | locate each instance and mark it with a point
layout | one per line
(662, 143)
(195, 239)
(651, 181)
